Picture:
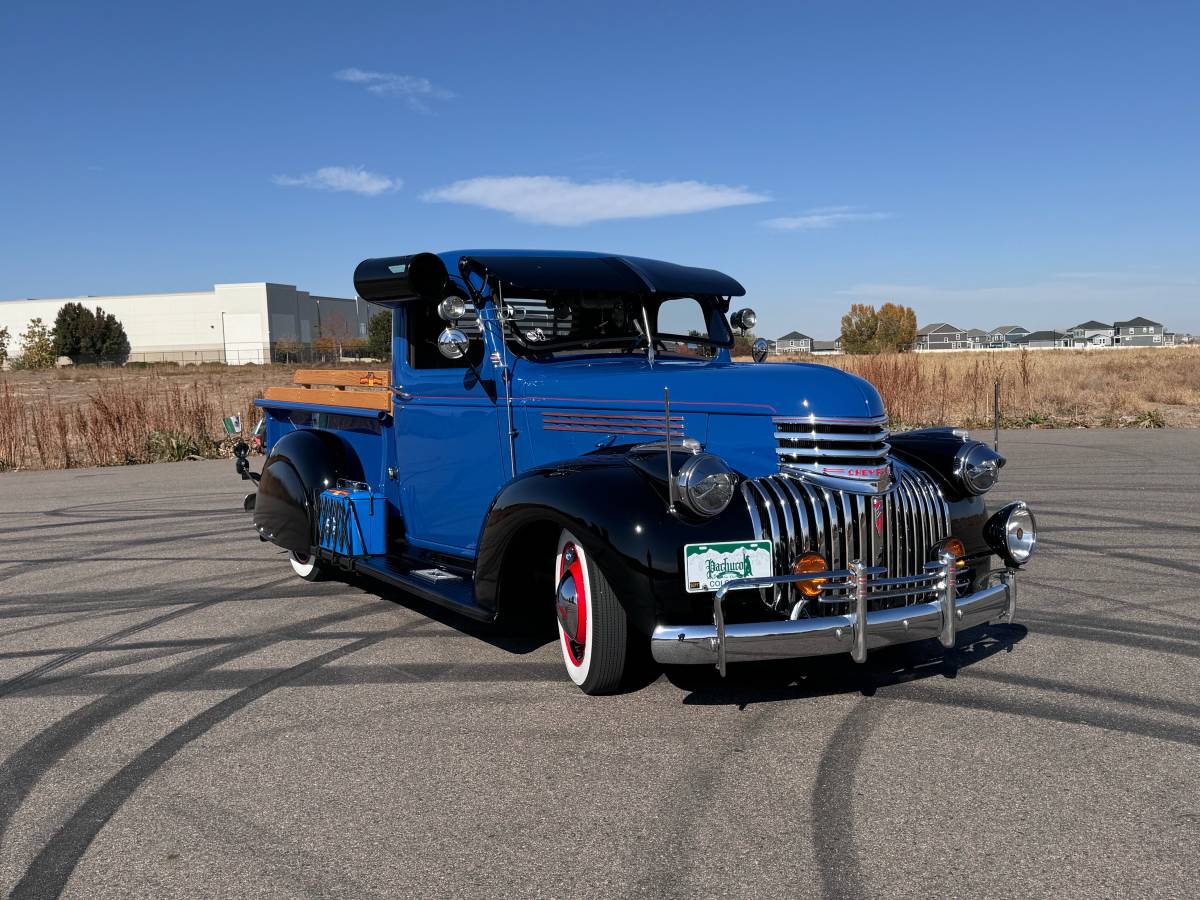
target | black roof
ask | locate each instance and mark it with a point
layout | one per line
(1045, 336)
(794, 336)
(538, 272)
(1139, 320)
(1092, 325)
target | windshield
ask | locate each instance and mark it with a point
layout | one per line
(581, 325)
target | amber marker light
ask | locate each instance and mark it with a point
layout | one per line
(810, 562)
(955, 546)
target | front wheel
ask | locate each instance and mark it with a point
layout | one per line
(306, 566)
(592, 627)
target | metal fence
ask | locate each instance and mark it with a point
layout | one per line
(255, 356)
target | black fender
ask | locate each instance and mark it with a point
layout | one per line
(620, 515)
(300, 466)
(935, 451)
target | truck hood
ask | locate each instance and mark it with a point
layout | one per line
(763, 389)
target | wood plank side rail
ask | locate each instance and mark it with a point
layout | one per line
(368, 388)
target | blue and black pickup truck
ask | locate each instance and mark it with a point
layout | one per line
(565, 434)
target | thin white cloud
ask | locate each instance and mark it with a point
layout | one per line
(416, 92)
(552, 200)
(354, 179)
(824, 217)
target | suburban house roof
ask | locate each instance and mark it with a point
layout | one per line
(935, 327)
(1046, 336)
(1138, 320)
(1092, 325)
(1006, 329)
(794, 336)
(976, 332)
(824, 345)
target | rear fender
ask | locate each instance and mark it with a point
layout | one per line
(301, 465)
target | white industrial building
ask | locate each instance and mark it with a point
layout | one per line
(233, 323)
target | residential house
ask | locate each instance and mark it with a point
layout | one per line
(827, 348)
(793, 342)
(1138, 332)
(978, 338)
(942, 336)
(1007, 336)
(1040, 340)
(1092, 334)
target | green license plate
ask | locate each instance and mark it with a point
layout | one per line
(708, 566)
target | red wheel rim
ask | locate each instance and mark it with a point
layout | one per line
(571, 563)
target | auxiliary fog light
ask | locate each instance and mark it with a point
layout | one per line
(810, 562)
(1012, 532)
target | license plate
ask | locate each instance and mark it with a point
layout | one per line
(708, 566)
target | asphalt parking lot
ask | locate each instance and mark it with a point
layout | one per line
(180, 716)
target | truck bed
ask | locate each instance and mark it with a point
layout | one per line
(351, 389)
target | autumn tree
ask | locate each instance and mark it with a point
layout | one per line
(3, 347)
(37, 347)
(896, 330)
(859, 327)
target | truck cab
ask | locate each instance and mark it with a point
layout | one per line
(565, 434)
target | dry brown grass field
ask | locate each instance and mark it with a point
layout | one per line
(98, 417)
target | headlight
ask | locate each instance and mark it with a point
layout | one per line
(452, 309)
(705, 484)
(977, 467)
(1012, 532)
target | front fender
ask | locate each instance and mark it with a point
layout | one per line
(621, 517)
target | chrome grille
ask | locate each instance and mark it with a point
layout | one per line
(896, 529)
(839, 447)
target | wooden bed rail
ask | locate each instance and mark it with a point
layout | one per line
(352, 388)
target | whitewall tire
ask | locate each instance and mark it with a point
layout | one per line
(305, 565)
(592, 627)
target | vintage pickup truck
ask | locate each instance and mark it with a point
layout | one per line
(565, 434)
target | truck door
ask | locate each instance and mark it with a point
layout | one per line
(449, 457)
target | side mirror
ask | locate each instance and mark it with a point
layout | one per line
(744, 320)
(452, 343)
(759, 350)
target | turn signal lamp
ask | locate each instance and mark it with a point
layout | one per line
(955, 547)
(810, 562)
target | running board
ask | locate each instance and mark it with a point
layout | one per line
(433, 584)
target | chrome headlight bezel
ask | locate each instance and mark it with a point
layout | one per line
(1012, 533)
(977, 467)
(706, 485)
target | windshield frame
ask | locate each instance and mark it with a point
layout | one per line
(648, 306)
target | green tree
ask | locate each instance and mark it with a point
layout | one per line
(109, 342)
(3, 347)
(73, 327)
(859, 327)
(87, 336)
(37, 346)
(897, 328)
(379, 335)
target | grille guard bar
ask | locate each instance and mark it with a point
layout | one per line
(941, 618)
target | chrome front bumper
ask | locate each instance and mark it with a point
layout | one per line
(856, 632)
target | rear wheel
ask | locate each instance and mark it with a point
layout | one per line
(592, 627)
(306, 566)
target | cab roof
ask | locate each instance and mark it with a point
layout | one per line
(536, 272)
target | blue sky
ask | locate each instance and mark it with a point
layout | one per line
(986, 163)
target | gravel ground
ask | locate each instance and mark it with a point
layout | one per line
(182, 717)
